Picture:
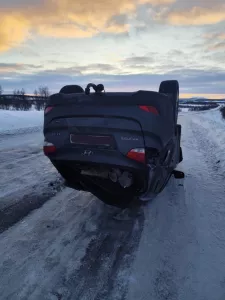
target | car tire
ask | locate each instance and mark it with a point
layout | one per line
(181, 155)
(71, 89)
(171, 87)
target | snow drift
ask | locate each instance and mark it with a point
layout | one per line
(15, 122)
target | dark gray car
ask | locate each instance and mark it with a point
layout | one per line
(118, 146)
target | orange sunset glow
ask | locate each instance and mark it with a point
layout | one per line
(125, 44)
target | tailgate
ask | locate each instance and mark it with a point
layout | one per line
(102, 133)
(120, 115)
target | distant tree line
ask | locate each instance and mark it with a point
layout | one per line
(20, 101)
(199, 106)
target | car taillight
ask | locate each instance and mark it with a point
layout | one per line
(48, 109)
(150, 109)
(48, 148)
(137, 154)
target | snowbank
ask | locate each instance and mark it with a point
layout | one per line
(212, 127)
(14, 122)
(184, 109)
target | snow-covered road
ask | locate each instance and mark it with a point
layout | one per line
(71, 247)
(27, 178)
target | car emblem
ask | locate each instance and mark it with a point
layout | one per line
(87, 153)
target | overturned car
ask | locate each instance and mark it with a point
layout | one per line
(117, 146)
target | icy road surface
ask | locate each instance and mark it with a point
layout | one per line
(71, 247)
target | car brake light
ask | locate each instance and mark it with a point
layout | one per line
(137, 154)
(150, 109)
(48, 109)
(48, 148)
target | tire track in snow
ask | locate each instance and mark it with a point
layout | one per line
(105, 267)
(72, 248)
(27, 178)
(15, 212)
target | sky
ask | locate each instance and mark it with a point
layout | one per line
(126, 45)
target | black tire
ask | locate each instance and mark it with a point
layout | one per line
(178, 130)
(171, 87)
(179, 136)
(71, 89)
(181, 155)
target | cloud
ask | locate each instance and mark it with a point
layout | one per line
(213, 41)
(218, 46)
(150, 63)
(192, 81)
(159, 63)
(176, 52)
(65, 18)
(20, 19)
(214, 35)
(205, 75)
(13, 30)
(87, 69)
(118, 24)
(138, 60)
(197, 15)
(14, 67)
(157, 2)
(21, 69)
(98, 68)
(64, 31)
(61, 18)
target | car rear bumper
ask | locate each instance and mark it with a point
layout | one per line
(93, 157)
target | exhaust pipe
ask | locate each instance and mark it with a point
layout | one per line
(95, 173)
(124, 178)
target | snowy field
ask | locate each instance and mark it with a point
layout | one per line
(56, 243)
(12, 121)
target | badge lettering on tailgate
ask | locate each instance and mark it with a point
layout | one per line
(87, 153)
(127, 138)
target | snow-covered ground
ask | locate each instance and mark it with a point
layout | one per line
(181, 252)
(71, 247)
(13, 122)
(27, 178)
